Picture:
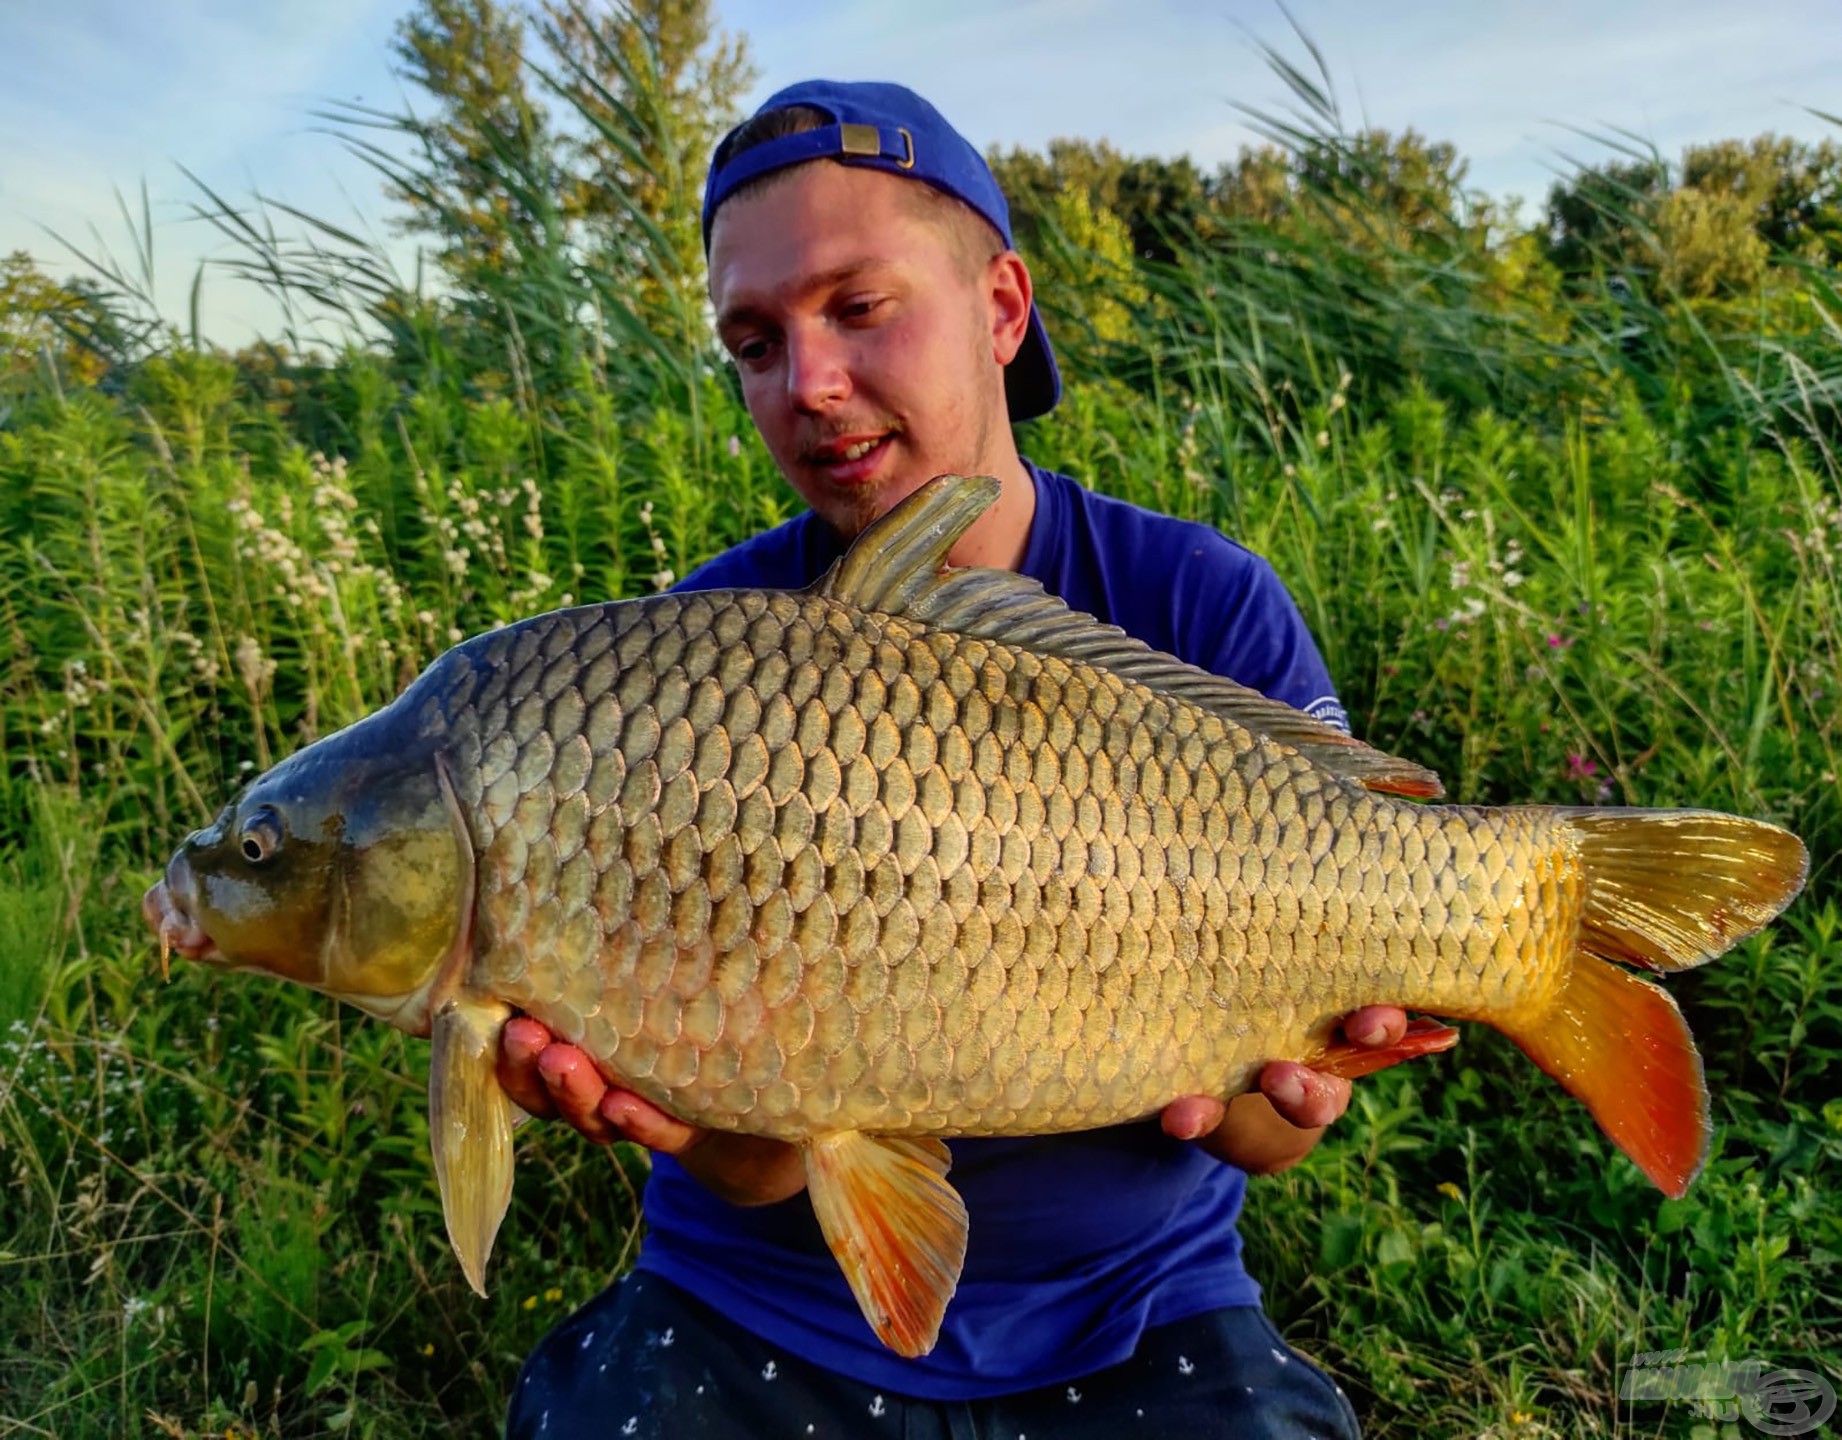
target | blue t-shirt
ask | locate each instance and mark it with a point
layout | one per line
(1077, 1243)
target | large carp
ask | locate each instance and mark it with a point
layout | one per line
(920, 852)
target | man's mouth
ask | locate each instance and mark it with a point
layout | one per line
(851, 459)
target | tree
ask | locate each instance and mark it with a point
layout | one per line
(1154, 198)
(1707, 227)
(1400, 188)
(1789, 193)
(485, 188)
(1708, 244)
(41, 319)
(658, 85)
(1088, 277)
(1598, 216)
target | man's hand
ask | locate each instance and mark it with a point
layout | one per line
(550, 1079)
(1272, 1129)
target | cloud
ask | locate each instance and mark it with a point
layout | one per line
(228, 88)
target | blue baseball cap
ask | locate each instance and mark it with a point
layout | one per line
(890, 128)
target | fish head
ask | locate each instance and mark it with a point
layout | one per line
(347, 868)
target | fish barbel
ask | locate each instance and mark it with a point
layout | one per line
(920, 852)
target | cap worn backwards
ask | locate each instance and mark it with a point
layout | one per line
(890, 128)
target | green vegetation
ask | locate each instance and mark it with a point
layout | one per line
(1561, 501)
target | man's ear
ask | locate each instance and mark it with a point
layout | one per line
(1009, 293)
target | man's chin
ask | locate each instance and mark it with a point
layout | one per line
(850, 507)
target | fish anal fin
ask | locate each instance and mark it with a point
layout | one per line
(1618, 1043)
(897, 1228)
(1351, 1061)
(470, 1129)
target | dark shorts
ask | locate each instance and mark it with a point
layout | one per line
(645, 1359)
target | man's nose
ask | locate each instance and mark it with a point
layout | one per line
(817, 376)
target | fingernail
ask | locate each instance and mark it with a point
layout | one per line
(1372, 1033)
(1287, 1090)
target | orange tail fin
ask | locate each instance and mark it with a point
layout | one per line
(1665, 889)
(1619, 1044)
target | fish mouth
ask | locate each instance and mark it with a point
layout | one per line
(170, 909)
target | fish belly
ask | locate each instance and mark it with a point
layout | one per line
(784, 866)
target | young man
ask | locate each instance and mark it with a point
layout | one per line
(884, 330)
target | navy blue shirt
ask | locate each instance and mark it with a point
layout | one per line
(1077, 1243)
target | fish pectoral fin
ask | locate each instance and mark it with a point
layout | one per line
(897, 1228)
(1352, 1061)
(470, 1129)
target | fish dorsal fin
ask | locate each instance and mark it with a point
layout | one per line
(900, 555)
(896, 568)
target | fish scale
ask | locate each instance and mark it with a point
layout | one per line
(897, 880)
(920, 852)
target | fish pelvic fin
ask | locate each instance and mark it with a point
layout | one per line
(896, 1227)
(896, 567)
(470, 1129)
(1670, 889)
(1618, 1043)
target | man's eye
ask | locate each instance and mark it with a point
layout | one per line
(751, 352)
(864, 308)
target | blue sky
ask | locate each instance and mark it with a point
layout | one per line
(97, 94)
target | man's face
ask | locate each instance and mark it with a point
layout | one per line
(871, 353)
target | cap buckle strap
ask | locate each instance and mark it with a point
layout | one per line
(867, 140)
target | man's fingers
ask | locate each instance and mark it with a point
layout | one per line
(1190, 1117)
(520, 1043)
(645, 1123)
(1376, 1025)
(576, 1088)
(1302, 1096)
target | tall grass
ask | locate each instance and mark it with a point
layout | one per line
(1557, 557)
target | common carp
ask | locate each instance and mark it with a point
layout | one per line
(919, 852)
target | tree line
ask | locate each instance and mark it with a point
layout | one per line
(552, 167)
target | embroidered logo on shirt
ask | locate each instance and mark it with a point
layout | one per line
(1330, 710)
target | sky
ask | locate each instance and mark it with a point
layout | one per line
(103, 96)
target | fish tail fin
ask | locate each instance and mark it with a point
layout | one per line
(1665, 890)
(1618, 1044)
(1671, 889)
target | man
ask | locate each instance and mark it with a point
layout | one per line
(884, 330)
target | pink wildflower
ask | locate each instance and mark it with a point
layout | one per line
(1579, 767)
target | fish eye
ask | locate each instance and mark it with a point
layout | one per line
(261, 836)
